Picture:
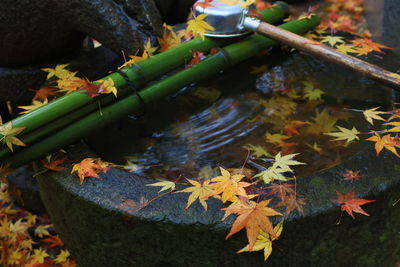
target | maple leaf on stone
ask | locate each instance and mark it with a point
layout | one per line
(90, 167)
(345, 134)
(165, 185)
(59, 71)
(371, 114)
(54, 165)
(281, 190)
(351, 204)
(198, 191)
(9, 137)
(350, 175)
(264, 241)
(228, 186)
(198, 27)
(292, 202)
(254, 217)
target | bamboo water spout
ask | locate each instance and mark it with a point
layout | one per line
(227, 57)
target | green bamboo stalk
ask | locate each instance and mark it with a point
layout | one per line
(139, 74)
(61, 112)
(227, 57)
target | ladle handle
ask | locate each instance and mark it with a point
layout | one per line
(329, 54)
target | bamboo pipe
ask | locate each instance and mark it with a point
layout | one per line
(227, 57)
(139, 74)
(324, 52)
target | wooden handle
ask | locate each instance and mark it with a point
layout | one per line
(329, 54)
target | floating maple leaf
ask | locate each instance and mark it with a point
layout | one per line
(350, 175)
(387, 141)
(281, 190)
(371, 114)
(90, 167)
(345, 134)
(351, 204)
(254, 217)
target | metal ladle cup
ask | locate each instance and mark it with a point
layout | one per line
(233, 20)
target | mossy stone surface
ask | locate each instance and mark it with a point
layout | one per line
(98, 232)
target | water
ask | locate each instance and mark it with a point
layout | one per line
(208, 125)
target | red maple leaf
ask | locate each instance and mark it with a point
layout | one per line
(53, 241)
(350, 204)
(54, 164)
(350, 175)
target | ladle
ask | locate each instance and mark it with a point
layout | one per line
(232, 20)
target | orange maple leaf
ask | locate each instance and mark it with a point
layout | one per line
(54, 164)
(350, 204)
(90, 167)
(254, 217)
(44, 93)
(203, 5)
(228, 186)
(387, 141)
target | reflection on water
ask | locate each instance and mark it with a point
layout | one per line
(209, 125)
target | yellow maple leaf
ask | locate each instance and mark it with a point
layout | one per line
(35, 104)
(346, 49)
(264, 241)
(42, 230)
(313, 94)
(39, 255)
(396, 127)
(272, 174)
(198, 191)
(62, 257)
(59, 71)
(9, 135)
(371, 114)
(198, 26)
(107, 87)
(345, 134)
(165, 185)
(228, 186)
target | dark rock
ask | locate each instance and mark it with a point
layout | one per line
(99, 232)
(39, 33)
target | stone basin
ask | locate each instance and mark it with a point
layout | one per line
(99, 232)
